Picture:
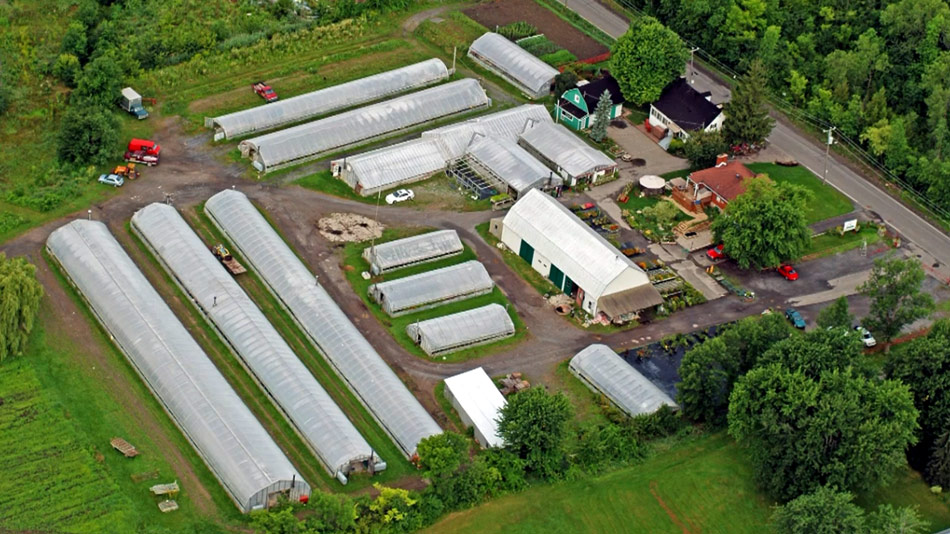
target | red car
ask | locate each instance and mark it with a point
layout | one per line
(788, 272)
(715, 253)
(265, 92)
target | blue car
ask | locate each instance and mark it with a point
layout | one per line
(796, 318)
(112, 179)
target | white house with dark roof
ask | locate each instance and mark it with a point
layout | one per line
(682, 109)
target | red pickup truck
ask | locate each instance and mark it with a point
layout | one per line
(144, 145)
(265, 92)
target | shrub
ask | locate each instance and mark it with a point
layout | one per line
(517, 30)
(556, 59)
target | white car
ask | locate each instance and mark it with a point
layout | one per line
(400, 195)
(866, 336)
(111, 179)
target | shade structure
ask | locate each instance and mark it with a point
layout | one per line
(652, 185)
(422, 248)
(567, 151)
(351, 355)
(478, 403)
(237, 449)
(605, 372)
(328, 100)
(462, 330)
(502, 160)
(322, 423)
(515, 64)
(314, 139)
(432, 288)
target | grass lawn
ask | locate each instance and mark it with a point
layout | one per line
(826, 202)
(645, 225)
(355, 265)
(437, 192)
(831, 242)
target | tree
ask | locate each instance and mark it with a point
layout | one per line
(703, 147)
(100, 82)
(664, 213)
(67, 69)
(747, 117)
(823, 511)
(329, 513)
(88, 135)
(564, 82)
(645, 59)
(835, 315)
(534, 426)
(764, 226)
(889, 520)
(841, 429)
(816, 352)
(20, 295)
(442, 454)
(896, 298)
(74, 40)
(938, 467)
(390, 506)
(598, 131)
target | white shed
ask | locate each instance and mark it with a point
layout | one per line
(479, 404)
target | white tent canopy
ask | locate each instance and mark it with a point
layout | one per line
(413, 250)
(237, 449)
(462, 330)
(357, 362)
(513, 63)
(605, 372)
(310, 409)
(479, 404)
(432, 288)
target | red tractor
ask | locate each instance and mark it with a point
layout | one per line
(265, 92)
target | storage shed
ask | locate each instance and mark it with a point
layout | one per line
(576, 259)
(312, 412)
(513, 63)
(328, 100)
(462, 330)
(354, 359)
(432, 288)
(337, 132)
(604, 372)
(414, 250)
(572, 158)
(478, 403)
(241, 454)
(508, 167)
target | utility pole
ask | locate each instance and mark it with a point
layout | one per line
(831, 140)
(692, 69)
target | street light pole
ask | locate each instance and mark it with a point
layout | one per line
(692, 69)
(824, 174)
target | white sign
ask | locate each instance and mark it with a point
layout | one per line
(850, 225)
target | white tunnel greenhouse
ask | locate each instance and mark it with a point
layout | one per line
(357, 362)
(335, 98)
(307, 405)
(432, 288)
(414, 250)
(605, 372)
(462, 330)
(513, 63)
(237, 449)
(509, 167)
(314, 139)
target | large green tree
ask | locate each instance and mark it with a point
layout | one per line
(896, 297)
(835, 315)
(702, 148)
(747, 116)
(828, 511)
(816, 352)
(88, 135)
(442, 454)
(534, 426)
(765, 225)
(20, 295)
(645, 59)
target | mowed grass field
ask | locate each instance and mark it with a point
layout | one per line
(826, 201)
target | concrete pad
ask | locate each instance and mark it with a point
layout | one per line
(698, 278)
(614, 212)
(640, 145)
(660, 252)
(702, 239)
(840, 287)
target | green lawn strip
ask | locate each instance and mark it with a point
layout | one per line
(682, 173)
(426, 191)
(101, 416)
(909, 489)
(831, 242)
(238, 376)
(826, 201)
(572, 18)
(447, 407)
(586, 402)
(397, 464)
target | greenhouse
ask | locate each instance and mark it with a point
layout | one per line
(513, 63)
(432, 288)
(324, 101)
(508, 124)
(315, 415)
(604, 372)
(508, 167)
(337, 132)
(462, 330)
(478, 403)
(384, 168)
(413, 250)
(574, 160)
(241, 454)
(356, 361)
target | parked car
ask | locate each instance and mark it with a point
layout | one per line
(788, 272)
(141, 156)
(150, 147)
(400, 195)
(264, 91)
(796, 318)
(715, 253)
(866, 336)
(111, 179)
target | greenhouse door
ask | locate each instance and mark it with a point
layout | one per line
(569, 286)
(526, 252)
(556, 276)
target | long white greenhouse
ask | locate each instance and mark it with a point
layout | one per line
(414, 250)
(330, 99)
(567, 153)
(322, 423)
(237, 449)
(507, 124)
(509, 167)
(605, 372)
(513, 63)
(357, 362)
(314, 139)
(432, 288)
(462, 330)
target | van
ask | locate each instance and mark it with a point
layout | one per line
(150, 147)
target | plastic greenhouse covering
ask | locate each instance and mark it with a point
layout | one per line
(604, 371)
(459, 331)
(432, 288)
(507, 124)
(566, 150)
(311, 410)
(231, 441)
(514, 63)
(313, 139)
(383, 168)
(413, 250)
(337, 97)
(357, 362)
(512, 164)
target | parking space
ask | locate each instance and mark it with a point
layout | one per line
(639, 145)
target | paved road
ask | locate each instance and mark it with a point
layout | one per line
(598, 15)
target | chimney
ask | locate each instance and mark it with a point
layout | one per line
(722, 159)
